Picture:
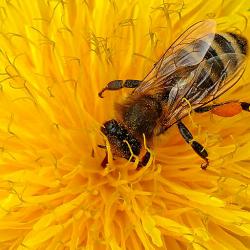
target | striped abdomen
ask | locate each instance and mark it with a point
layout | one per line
(223, 58)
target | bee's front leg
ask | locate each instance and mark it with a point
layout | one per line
(105, 161)
(197, 147)
(143, 161)
(119, 84)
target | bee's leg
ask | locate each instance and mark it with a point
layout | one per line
(205, 108)
(144, 161)
(226, 109)
(105, 161)
(197, 147)
(119, 84)
(245, 106)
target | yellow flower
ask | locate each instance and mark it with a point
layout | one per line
(55, 56)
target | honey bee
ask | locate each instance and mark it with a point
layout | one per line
(197, 68)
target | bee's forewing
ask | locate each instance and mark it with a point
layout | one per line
(192, 94)
(188, 50)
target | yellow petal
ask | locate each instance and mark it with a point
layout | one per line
(150, 228)
(55, 56)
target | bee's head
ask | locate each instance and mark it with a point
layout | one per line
(110, 128)
(117, 135)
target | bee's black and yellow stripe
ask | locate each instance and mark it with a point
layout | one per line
(239, 42)
(222, 58)
(227, 43)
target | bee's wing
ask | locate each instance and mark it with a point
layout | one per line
(196, 90)
(187, 51)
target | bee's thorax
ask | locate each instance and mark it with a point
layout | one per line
(140, 116)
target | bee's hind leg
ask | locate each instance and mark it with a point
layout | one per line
(245, 106)
(225, 109)
(197, 147)
(119, 84)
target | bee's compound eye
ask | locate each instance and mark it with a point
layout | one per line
(111, 126)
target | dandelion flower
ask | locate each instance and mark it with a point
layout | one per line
(55, 56)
